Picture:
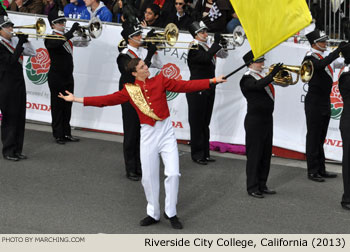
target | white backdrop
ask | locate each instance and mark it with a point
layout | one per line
(96, 73)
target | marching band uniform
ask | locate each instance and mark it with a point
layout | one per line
(344, 88)
(13, 91)
(258, 125)
(131, 123)
(317, 106)
(60, 78)
(202, 64)
(157, 135)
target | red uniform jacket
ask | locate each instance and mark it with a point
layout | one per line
(154, 91)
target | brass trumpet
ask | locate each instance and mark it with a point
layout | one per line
(284, 76)
(236, 39)
(40, 28)
(166, 39)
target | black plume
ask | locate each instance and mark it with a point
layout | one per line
(59, 4)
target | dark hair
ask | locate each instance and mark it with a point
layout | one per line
(131, 67)
(154, 8)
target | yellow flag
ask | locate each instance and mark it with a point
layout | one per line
(267, 23)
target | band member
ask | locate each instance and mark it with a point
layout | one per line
(13, 89)
(60, 76)
(318, 105)
(258, 124)
(148, 97)
(344, 88)
(131, 124)
(201, 63)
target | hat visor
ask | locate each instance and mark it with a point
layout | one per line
(202, 29)
(324, 38)
(58, 20)
(136, 33)
(259, 60)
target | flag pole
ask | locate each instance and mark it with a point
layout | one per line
(235, 71)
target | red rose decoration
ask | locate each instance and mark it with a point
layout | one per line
(41, 62)
(336, 98)
(171, 71)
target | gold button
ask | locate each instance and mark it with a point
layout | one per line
(147, 97)
(150, 103)
(146, 90)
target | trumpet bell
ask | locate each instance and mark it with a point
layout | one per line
(95, 28)
(306, 71)
(238, 36)
(284, 76)
(40, 28)
(171, 34)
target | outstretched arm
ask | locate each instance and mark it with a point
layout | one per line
(217, 80)
(70, 97)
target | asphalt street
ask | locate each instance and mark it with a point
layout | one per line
(81, 188)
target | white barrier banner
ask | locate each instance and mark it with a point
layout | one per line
(96, 73)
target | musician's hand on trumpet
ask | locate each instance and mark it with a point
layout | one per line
(217, 38)
(151, 33)
(22, 38)
(76, 26)
(278, 67)
(151, 50)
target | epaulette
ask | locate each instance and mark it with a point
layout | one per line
(309, 53)
(124, 50)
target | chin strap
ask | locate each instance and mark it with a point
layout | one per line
(322, 48)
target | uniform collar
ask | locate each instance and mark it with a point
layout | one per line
(318, 51)
(254, 71)
(6, 40)
(139, 82)
(133, 48)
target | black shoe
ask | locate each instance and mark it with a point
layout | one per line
(21, 156)
(209, 159)
(268, 191)
(132, 176)
(315, 177)
(60, 140)
(328, 174)
(71, 139)
(256, 194)
(174, 221)
(148, 221)
(200, 161)
(11, 157)
(346, 206)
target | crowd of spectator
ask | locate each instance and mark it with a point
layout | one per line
(218, 15)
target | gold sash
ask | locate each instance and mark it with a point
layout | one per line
(139, 100)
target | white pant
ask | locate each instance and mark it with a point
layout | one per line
(159, 139)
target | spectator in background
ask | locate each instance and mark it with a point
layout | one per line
(49, 4)
(74, 9)
(96, 8)
(27, 6)
(116, 8)
(179, 16)
(233, 23)
(214, 13)
(152, 16)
